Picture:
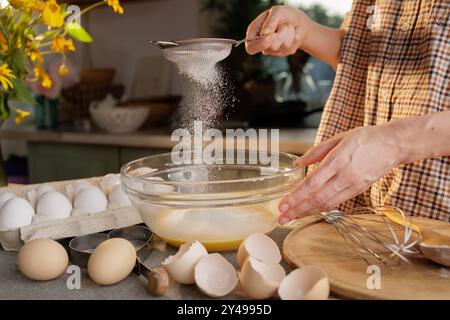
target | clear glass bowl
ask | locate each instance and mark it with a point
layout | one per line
(218, 205)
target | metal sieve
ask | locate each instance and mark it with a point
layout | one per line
(199, 50)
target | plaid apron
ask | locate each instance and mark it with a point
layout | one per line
(395, 63)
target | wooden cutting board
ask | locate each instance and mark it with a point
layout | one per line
(317, 243)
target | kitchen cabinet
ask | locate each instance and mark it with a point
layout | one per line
(57, 161)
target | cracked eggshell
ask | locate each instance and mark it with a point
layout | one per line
(117, 198)
(16, 213)
(261, 247)
(108, 182)
(215, 276)
(5, 196)
(307, 283)
(181, 266)
(260, 280)
(53, 205)
(91, 200)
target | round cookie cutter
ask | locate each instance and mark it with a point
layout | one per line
(139, 236)
(81, 247)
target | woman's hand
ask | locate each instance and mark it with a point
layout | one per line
(350, 163)
(284, 28)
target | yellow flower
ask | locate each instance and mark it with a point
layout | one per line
(43, 77)
(5, 76)
(61, 45)
(115, 4)
(3, 43)
(25, 4)
(46, 82)
(35, 55)
(20, 115)
(52, 15)
(63, 70)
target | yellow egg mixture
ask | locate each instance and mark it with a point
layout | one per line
(218, 229)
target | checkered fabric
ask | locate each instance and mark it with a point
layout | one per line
(395, 63)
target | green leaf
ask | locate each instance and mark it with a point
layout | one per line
(22, 92)
(18, 61)
(78, 32)
(4, 108)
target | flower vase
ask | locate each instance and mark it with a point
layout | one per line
(46, 113)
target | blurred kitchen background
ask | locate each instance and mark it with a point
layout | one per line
(74, 133)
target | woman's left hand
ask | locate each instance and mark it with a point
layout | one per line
(350, 163)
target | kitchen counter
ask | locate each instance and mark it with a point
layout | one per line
(13, 285)
(295, 141)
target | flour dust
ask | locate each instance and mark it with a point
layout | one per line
(207, 93)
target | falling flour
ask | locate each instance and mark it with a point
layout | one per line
(206, 91)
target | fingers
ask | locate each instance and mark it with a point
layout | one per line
(279, 25)
(280, 43)
(333, 193)
(253, 30)
(320, 151)
(334, 163)
(272, 21)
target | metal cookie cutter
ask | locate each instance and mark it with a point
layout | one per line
(81, 247)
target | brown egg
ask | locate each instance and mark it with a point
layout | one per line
(42, 259)
(112, 261)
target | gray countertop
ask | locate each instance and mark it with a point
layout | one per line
(13, 285)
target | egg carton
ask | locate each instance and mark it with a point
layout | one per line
(79, 223)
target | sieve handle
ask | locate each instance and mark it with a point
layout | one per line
(238, 43)
(164, 44)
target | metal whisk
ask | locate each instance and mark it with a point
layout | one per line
(365, 240)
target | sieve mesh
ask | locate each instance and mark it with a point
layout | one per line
(198, 52)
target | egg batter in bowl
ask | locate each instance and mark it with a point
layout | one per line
(218, 204)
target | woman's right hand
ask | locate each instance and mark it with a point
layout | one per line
(284, 28)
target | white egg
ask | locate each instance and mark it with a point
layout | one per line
(16, 213)
(181, 266)
(91, 200)
(117, 198)
(109, 182)
(156, 187)
(5, 196)
(43, 189)
(72, 189)
(53, 205)
(215, 276)
(307, 283)
(260, 280)
(139, 172)
(31, 197)
(261, 247)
